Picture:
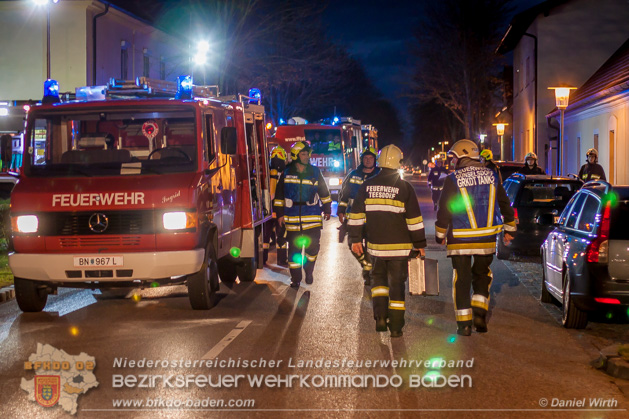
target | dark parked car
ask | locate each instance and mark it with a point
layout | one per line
(507, 168)
(585, 258)
(532, 196)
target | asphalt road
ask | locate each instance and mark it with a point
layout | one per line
(526, 366)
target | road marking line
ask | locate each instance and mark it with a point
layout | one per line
(218, 348)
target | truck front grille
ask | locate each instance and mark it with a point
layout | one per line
(78, 223)
(99, 241)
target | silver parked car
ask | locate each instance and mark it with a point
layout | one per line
(586, 256)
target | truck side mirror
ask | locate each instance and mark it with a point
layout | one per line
(229, 140)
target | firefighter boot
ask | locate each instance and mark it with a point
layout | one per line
(396, 322)
(464, 329)
(309, 268)
(282, 257)
(381, 324)
(480, 319)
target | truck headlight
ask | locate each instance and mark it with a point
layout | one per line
(25, 223)
(334, 181)
(179, 220)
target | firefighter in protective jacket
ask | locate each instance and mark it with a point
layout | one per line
(591, 170)
(351, 184)
(471, 211)
(386, 211)
(300, 198)
(272, 228)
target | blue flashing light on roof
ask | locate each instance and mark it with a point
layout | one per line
(282, 122)
(184, 87)
(255, 95)
(335, 120)
(51, 91)
(337, 163)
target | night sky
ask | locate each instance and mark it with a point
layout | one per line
(379, 33)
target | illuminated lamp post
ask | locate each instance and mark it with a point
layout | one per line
(442, 144)
(200, 58)
(47, 4)
(562, 97)
(500, 130)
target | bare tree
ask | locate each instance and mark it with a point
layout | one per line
(457, 66)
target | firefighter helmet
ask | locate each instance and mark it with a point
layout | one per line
(464, 148)
(530, 155)
(487, 154)
(390, 157)
(278, 152)
(369, 150)
(592, 151)
(297, 148)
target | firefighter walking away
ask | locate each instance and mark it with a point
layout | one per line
(471, 210)
(435, 180)
(300, 198)
(386, 213)
(351, 184)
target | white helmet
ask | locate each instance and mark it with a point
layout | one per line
(464, 148)
(390, 157)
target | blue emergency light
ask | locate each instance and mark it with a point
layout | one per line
(255, 95)
(335, 120)
(337, 163)
(51, 91)
(282, 122)
(184, 87)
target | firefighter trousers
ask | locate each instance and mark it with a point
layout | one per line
(388, 290)
(308, 240)
(469, 276)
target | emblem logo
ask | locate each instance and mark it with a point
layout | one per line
(47, 389)
(98, 222)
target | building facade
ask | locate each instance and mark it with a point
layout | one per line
(90, 42)
(557, 42)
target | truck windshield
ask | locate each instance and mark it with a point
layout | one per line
(110, 142)
(324, 141)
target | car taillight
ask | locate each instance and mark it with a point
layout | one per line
(607, 300)
(515, 215)
(598, 250)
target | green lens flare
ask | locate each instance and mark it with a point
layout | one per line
(612, 197)
(432, 375)
(235, 252)
(154, 284)
(303, 241)
(299, 259)
(452, 339)
(457, 205)
(435, 362)
(609, 315)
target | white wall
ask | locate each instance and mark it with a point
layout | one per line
(586, 122)
(23, 46)
(573, 42)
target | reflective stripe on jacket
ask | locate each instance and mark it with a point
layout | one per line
(301, 197)
(350, 187)
(471, 210)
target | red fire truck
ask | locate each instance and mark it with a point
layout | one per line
(139, 183)
(336, 147)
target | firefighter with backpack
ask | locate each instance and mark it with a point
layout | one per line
(272, 228)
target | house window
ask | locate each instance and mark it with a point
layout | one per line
(146, 64)
(528, 71)
(579, 150)
(124, 60)
(596, 141)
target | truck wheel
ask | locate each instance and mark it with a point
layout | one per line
(227, 269)
(572, 317)
(247, 269)
(502, 251)
(202, 286)
(31, 298)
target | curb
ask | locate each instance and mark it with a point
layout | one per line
(7, 293)
(612, 363)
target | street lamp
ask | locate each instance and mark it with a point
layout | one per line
(47, 4)
(443, 143)
(562, 96)
(500, 130)
(200, 58)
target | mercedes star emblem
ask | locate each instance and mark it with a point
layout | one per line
(98, 222)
